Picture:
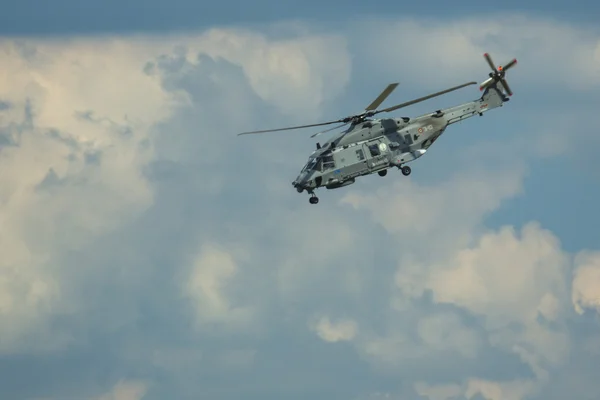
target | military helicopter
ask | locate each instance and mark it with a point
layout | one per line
(374, 145)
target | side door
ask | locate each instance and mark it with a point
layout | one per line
(377, 154)
(354, 161)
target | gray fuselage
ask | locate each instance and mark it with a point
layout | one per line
(378, 144)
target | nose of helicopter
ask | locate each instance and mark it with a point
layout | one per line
(302, 182)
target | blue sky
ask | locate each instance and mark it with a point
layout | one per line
(85, 16)
(149, 253)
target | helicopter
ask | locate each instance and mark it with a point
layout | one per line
(372, 145)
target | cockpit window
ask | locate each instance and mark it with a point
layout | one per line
(309, 165)
(319, 165)
(314, 164)
(322, 163)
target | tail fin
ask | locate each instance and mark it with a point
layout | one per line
(492, 97)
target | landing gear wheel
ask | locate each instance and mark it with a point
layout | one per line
(313, 200)
(383, 172)
(406, 170)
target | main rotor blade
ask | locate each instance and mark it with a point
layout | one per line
(328, 130)
(386, 92)
(490, 62)
(290, 128)
(408, 103)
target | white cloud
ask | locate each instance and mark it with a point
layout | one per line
(438, 50)
(238, 358)
(504, 277)
(438, 392)
(434, 292)
(513, 390)
(206, 286)
(446, 332)
(125, 390)
(53, 199)
(340, 330)
(586, 282)
(517, 390)
(447, 215)
(296, 75)
(75, 100)
(507, 278)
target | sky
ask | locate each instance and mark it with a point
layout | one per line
(150, 253)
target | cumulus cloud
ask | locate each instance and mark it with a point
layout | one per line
(516, 284)
(341, 330)
(61, 171)
(79, 115)
(439, 50)
(125, 390)
(296, 75)
(207, 286)
(131, 216)
(586, 282)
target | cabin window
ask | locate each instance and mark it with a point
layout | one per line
(374, 150)
(328, 163)
(360, 155)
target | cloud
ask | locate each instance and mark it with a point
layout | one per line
(441, 392)
(496, 391)
(586, 282)
(342, 330)
(458, 44)
(206, 286)
(514, 284)
(82, 118)
(415, 210)
(134, 223)
(296, 75)
(125, 391)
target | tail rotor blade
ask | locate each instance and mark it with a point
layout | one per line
(489, 61)
(510, 64)
(486, 83)
(506, 87)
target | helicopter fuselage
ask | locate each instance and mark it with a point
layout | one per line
(375, 145)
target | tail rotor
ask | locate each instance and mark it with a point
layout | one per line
(498, 74)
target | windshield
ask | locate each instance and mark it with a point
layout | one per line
(310, 165)
(319, 164)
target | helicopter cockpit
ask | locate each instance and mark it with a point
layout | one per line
(320, 163)
(317, 165)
